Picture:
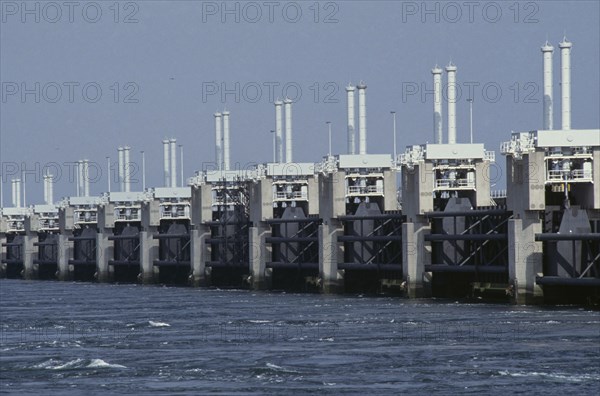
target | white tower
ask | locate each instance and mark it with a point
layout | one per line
(547, 51)
(565, 76)
(451, 70)
(437, 104)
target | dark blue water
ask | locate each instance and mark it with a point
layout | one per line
(77, 338)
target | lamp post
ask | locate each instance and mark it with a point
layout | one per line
(108, 172)
(470, 100)
(181, 162)
(274, 144)
(329, 127)
(143, 171)
(394, 128)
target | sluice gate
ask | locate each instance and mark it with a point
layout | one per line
(228, 242)
(126, 261)
(469, 251)
(372, 243)
(173, 264)
(294, 242)
(14, 239)
(83, 264)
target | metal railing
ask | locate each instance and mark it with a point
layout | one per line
(566, 175)
(181, 212)
(498, 194)
(454, 183)
(352, 190)
(80, 216)
(278, 195)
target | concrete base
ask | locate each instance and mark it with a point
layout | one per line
(199, 255)
(415, 255)
(525, 259)
(64, 253)
(331, 279)
(29, 252)
(2, 252)
(258, 256)
(104, 252)
(148, 252)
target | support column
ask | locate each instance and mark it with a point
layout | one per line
(415, 256)
(104, 252)
(2, 252)
(524, 258)
(332, 279)
(65, 250)
(148, 252)
(258, 256)
(29, 252)
(199, 253)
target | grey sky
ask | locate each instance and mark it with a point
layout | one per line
(178, 48)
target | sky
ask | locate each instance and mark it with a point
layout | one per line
(80, 79)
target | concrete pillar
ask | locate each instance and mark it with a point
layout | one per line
(104, 252)
(331, 278)
(258, 255)
(524, 258)
(415, 255)
(199, 254)
(390, 190)
(65, 250)
(2, 251)
(29, 251)
(148, 252)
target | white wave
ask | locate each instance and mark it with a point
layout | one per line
(158, 324)
(560, 376)
(99, 363)
(53, 364)
(326, 339)
(8, 349)
(260, 321)
(552, 322)
(275, 367)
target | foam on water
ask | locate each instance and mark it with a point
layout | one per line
(99, 363)
(158, 324)
(53, 364)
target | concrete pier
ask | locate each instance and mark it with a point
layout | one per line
(414, 256)
(259, 253)
(2, 247)
(29, 253)
(104, 252)
(201, 212)
(331, 278)
(525, 259)
(199, 255)
(261, 209)
(148, 253)
(65, 252)
(332, 204)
